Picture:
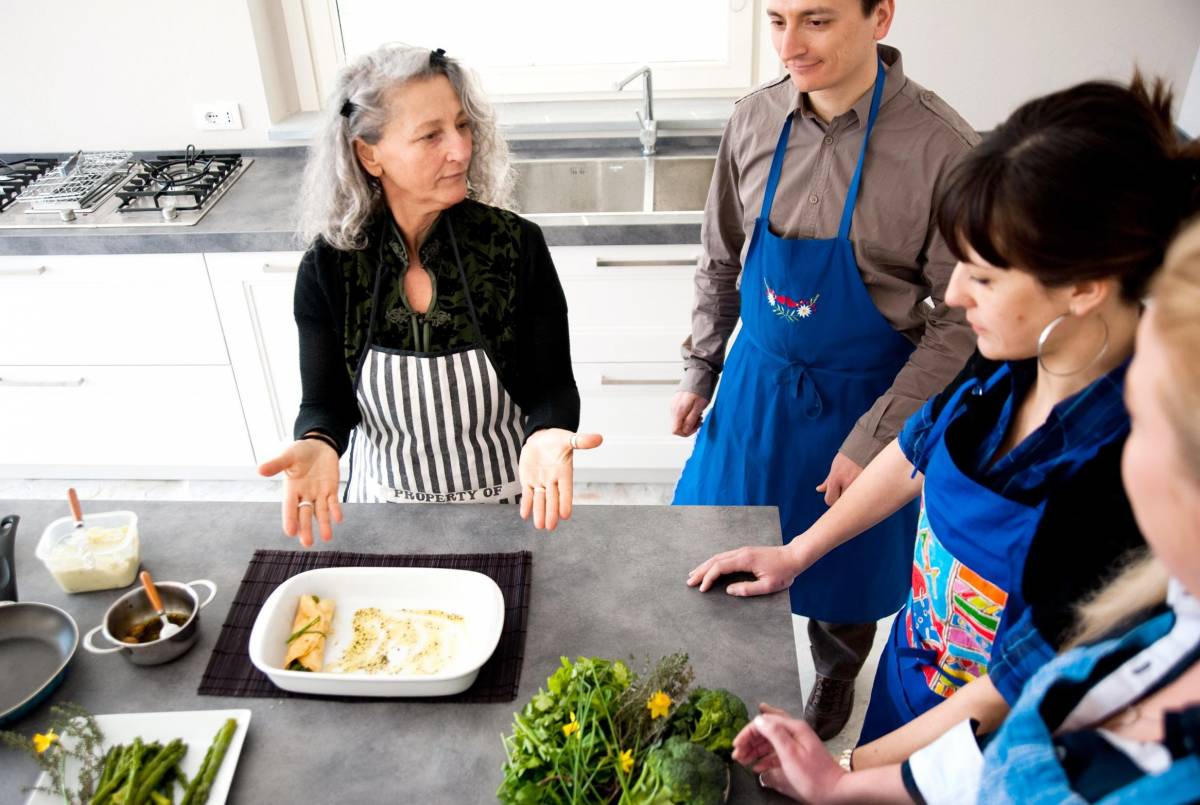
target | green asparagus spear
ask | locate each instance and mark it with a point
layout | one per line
(197, 792)
(154, 772)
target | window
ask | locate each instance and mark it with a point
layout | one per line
(545, 48)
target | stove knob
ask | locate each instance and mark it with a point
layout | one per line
(67, 215)
(169, 213)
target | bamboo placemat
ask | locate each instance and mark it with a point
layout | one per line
(230, 672)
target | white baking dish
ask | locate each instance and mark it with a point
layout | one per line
(472, 595)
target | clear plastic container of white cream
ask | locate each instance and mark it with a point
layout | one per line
(102, 555)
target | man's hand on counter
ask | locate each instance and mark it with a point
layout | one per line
(310, 488)
(547, 474)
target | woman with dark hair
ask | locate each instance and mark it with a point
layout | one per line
(1058, 221)
(1116, 718)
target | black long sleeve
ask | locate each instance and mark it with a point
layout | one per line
(520, 304)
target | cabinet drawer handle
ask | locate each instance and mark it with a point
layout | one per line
(31, 271)
(12, 381)
(663, 262)
(605, 380)
(271, 268)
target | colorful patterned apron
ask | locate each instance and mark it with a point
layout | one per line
(966, 581)
(435, 428)
(813, 355)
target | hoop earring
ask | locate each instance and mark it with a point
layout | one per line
(1044, 336)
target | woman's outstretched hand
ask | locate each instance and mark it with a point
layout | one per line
(547, 474)
(310, 488)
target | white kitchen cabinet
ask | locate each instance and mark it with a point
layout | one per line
(254, 296)
(121, 422)
(109, 310)
(630, 309)
(115, 366)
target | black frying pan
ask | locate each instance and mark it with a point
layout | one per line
(37, 641)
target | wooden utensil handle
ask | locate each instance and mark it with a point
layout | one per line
(76, 509)
(151, 590)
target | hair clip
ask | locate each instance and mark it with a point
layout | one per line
(437, 58)
(347, 109)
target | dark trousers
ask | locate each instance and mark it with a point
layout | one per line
(840, 649)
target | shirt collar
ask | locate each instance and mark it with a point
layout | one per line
(893, 82)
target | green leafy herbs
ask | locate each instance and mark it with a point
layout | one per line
(72, 733)
(296, 665)
(601, 733)
(303, 630)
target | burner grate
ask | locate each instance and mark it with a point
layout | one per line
(176, 182)
(15, 176)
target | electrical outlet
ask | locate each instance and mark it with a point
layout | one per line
(211, 116)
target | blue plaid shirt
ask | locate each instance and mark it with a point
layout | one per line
(1076, 428)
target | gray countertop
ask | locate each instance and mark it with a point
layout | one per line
(258, 213)
(610, 582)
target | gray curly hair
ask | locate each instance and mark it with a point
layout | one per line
(337, 196)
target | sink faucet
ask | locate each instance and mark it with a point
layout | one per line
(648, 132)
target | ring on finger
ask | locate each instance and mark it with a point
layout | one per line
(574, 441)
(304, 503)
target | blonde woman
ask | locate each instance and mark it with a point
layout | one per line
(433, 329)
(1117, 718)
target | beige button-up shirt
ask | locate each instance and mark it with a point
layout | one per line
(902, 259)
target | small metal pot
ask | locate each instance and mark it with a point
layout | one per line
(134, 608)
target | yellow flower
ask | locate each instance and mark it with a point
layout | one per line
(572, 727)
(658, 705)
(42, 742)
(626, 759)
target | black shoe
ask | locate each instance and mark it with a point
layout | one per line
(828, 707)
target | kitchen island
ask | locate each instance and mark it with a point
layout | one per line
(610, 582)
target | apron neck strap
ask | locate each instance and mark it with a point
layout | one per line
(776, 169)
(852, 195)
(462, 275)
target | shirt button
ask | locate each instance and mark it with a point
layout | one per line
(829, 141)
(812, 199)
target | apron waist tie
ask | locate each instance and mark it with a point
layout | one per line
(797, 377)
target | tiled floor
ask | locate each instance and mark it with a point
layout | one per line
(585, 493)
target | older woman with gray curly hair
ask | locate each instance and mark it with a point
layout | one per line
(433, 329)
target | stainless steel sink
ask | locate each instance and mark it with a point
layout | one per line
(681, 183)
(625, 189)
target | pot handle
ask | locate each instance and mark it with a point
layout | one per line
(87, 643)
(212, 591)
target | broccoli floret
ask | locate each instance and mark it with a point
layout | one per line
(711, 718)
(679, 771)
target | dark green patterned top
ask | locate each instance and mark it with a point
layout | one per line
(513, 285)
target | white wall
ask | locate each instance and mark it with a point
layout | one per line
(986, 57)
(126, 73)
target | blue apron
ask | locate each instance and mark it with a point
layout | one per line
(813, 355)
(966, 580)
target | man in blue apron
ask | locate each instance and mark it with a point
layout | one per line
(821, 204)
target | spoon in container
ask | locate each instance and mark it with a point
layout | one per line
(168, 628)
(78, 537)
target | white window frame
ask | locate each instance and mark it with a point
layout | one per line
(314, 41)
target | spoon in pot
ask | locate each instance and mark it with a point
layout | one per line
(168, 628)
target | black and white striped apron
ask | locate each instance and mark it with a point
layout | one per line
(435, 428)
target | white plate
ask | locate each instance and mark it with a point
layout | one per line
(196, 728)
(472, 595)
